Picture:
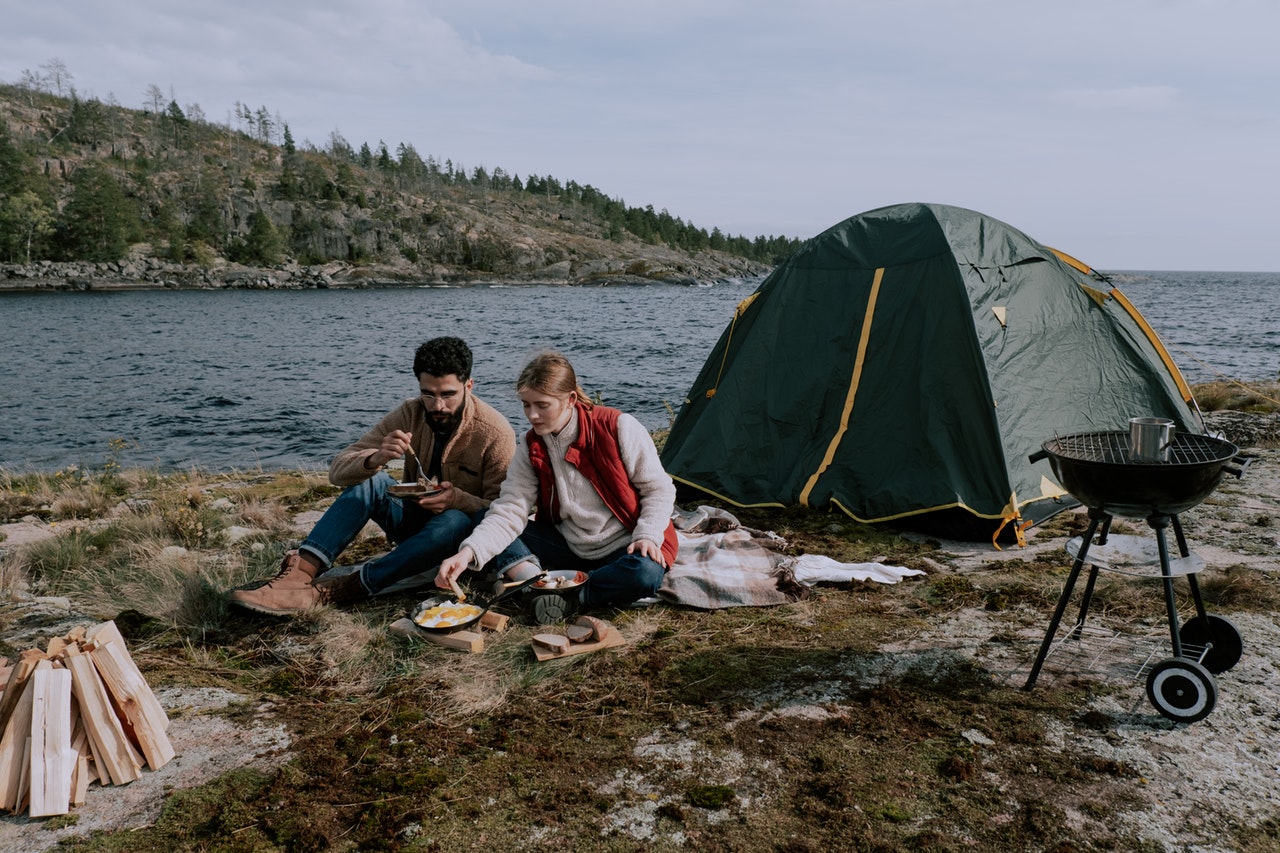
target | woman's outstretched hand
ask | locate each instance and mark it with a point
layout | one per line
(452, 568)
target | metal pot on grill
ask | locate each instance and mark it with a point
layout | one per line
(1099, 470)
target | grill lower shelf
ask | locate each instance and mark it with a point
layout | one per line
(1101, 651)
(1137, 556)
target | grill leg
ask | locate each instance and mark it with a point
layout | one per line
(1158, 524)
(1093, 579)
(1095, 518)
(1191, 578)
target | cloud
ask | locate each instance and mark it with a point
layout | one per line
(1152, 99)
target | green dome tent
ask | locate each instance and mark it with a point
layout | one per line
(903, 364)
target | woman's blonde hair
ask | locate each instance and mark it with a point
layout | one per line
(551, 373)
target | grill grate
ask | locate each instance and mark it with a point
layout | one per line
(1112, 448)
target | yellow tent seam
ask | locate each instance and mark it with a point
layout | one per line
(737, 312)
(1183, 388)
(854, 381)
(727, 499)
(956, 505)
(1070, 261)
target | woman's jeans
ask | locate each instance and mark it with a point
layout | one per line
(614, 580)
(422, 539)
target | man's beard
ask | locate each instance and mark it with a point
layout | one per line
(447, 422)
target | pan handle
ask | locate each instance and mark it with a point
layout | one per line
(511, 590)
(1038, 455)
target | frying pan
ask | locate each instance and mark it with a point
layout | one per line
(482, 601)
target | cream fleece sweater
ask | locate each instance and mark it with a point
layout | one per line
(589, 528)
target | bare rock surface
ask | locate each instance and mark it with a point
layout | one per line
(208, 744)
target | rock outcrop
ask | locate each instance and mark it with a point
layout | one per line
(150, 273)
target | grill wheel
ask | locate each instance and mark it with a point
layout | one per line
(1182, 690)
(1227, 647)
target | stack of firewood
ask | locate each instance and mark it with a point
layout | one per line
(75, 713)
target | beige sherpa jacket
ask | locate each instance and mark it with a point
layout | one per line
(475, 460)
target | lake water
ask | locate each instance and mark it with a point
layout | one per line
(282, 379)
(246, 379)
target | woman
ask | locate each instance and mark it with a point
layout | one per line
(591, 477)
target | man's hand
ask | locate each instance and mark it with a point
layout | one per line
(440, 501)
(648, 549)
(393, 446)
(452, 568)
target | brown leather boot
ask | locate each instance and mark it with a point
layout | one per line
(290, 591)
(341, 589)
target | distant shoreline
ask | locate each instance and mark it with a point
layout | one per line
(152, 274)
(58, 287)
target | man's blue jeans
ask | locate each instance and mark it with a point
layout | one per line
(614, 580)
(422, 539)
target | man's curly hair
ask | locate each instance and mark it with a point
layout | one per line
(443, 356)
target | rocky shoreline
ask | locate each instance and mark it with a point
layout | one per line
(150, 273)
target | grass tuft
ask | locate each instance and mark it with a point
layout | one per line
(1220, 396)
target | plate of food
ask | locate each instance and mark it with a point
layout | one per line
(420, 489)
(560, 580)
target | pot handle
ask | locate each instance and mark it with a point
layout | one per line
(1038, 455)
(1242, 461)
(512, 589)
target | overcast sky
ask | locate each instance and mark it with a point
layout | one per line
(1134, 134)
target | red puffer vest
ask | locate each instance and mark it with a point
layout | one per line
(595, 454)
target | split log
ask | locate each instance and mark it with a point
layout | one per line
(13, 745)
(116, 758)
(84, 770)
(17, 678)
(107, 632)
(143, 719)
(80, 779)
(73, 714)
(52, 760)
(24, 780)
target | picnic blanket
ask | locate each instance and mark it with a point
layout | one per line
(723, 564)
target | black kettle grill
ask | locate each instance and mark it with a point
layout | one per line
(1100, 470)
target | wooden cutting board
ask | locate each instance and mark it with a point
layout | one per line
(463, 641)
(611, 639)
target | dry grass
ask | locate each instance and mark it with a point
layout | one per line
(1237, 396)
(269, 517)
(161, 550)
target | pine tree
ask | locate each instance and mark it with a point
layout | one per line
(263, 244)
(97, 218)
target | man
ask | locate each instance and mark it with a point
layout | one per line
(454, 437)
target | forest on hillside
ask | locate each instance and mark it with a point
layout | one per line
(82, 179)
